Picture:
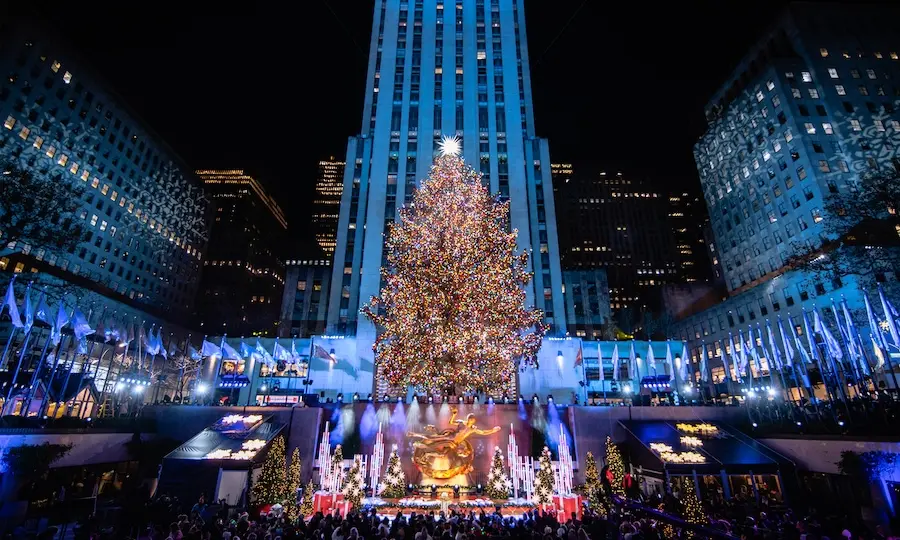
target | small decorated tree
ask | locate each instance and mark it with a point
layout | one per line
(543, 481)
(691, 511)
(353, 489)
(337, 461)
(294, 483)
(394, 484)
(592, 480)
(615, 468)
(306, 507)
(498, 483)
(272, 484)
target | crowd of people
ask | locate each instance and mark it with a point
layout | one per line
(656, 518)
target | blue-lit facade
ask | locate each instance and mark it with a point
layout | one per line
(442, 68)
(147, 218)
(808, 113)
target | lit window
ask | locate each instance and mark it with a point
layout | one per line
(855, 125)
(54, 67)
(85, 174)
(811, 129)
(895, 124)
(824, 52)
(813, 93)
(878, 55)
(67, 78)
(38, 142)
(93, 219)
(10, 122)
(893, 56)
(806, 76)
(840, 89)
(95, 182)
(823, 166)
(770, 85)
(816, 215)
(24, 133)
(854, 73)
(826, 126)
(777, 146)
(63, 159)
(870, 73)
(760, 96)
(51, 151)
(863, 91)
(795, 92)
(105, 189)
(114, 195)
(74, 168)
(767, 155)
(103, 225)
(481, 55)
(842, 165)
(832, 73)
(438, 71)
(879, 125)
(788, 135)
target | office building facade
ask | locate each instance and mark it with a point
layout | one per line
(327, 204)
(304, 305)
(145, 216)
(621, 225)
(243, 275)
(587, 304)
(436, 69)
(808, 113)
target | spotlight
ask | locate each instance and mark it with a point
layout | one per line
(521, 397)
(370, 397)
(627, 389)
(755, 424)
(138, 389)
(490, 400)
(88, 419)
(332, 354)
(559, 357)
(340, 397)
(841, 423)
(385, 398)
(430, 399)
(688, 389)
(475, 399)
(799, 424)
(355, 397)
(262, 388)
(771, 392)
(549, 399)
(399, 399)
(120, 386)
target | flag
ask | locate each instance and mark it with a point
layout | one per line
(320, 352)
(889, 314)
(804, 354)
(831, 344)
(734, 359)
(245, 349)
(210, 349)
(788, 350)
(754, 353)
(632, 363)
(159, 343)
(743, 353)
(62, 319)
(682, 369)
(29, 310)
(80, 325)
(615, 362)
(10, 302)
(774, 362)
(878, 341)
(669, 368)
(294, 354)
(280, 353)
(704, 361)
(82, 346)
(129, 333)
(193, 353)
(651, 361)
(579, 358)
(228, 352)
(855, 343)
(145, 340)
(264, 354)
(43, 310)
(173, 348)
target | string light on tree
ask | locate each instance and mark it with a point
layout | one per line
(498, 483)
(691, 510)
(543, 482)
(353, 489)
(451, 312)
(272, 484)
(294, 483)
(394, 485)
(615, 468)
(592, 481)
(306, 507)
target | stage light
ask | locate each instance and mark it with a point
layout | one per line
(841, 423)
(535, 398)
(626, 389)
(262, 388)
(370, 397)
(430, 399)
(688, 389)
(355, 397)
(120, 386)
(752, 393)
(490, 401)
(771, 392)
(332, 354)
(201, 388)
(340, 397)
(799, 424)
(385, 398)
(549, 398)
(559, 357)
(399, 399)
(444, 399)
(475, 399)
(755, 424)
(138, 389)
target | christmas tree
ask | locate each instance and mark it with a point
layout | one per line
(337, 461)
(394, 485)
(498, 484)
(306, 507)
(294, 483)
(691, 510)
(452, 312)
(272, 485)
(543, 481)
(592, 480)
(616, 468)
(353, 489)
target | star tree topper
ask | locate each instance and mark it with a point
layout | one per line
(450, 145)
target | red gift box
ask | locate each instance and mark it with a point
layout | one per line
(326, 502)
(566, 504)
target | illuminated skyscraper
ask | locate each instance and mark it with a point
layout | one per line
(443, 68)
(326, 204)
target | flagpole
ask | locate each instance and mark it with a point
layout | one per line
(86, 364)
(69, 372)
(103, 342)
(185, 351)
(846, 344)
(14, 328)
(61, 350)
(34, 377)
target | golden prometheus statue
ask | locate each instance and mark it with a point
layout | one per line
(447, 453)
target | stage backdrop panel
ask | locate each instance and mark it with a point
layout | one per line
(355, 426)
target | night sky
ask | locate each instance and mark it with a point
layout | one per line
(274, 91)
